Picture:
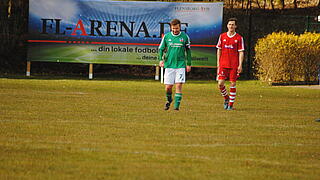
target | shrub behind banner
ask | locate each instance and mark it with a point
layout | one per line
(284, 58)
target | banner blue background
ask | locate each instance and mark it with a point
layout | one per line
(120, 24)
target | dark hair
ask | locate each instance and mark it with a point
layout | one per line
(232, 19)
(175, 22)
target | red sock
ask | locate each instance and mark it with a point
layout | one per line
(224, 92)
(233, 93)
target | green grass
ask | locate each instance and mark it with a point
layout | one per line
(116, 129)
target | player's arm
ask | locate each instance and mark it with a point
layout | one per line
(241, 54)
(188, 52)
(162, 47)
(218, 51)
(218, 56)
(241, 57)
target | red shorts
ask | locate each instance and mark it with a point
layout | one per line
(228, 73)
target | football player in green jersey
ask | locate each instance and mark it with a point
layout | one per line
(176, 61)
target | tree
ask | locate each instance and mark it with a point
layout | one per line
(295, 4)
(249, 4)
(258, 4)
(282, 4)
(272, 5)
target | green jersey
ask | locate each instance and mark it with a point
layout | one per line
(177, 49)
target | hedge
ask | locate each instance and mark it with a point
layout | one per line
(285, 57)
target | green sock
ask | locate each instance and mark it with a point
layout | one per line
(177, 100)
(169, 96)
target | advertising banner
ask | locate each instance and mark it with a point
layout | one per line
(118, 32)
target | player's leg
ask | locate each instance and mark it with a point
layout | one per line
(169, 77)
(178, 96)
(233, 90)
(232, 96)
(221, 85)
(224, 93)
(180, 79)
(168, 96)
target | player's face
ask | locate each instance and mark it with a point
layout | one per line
(231, 26)
(175, 29)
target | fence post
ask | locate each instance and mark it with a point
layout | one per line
(90, 71)
(308, 24)
(319, 74)
(249, 58)
(157, 73)
(162, 74)
(28, 68)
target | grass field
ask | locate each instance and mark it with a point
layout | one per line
(116, 129)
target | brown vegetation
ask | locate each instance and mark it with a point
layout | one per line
(284, 58)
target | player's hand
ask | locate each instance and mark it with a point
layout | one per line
(161, 63)
(239, 69)
(188, 68)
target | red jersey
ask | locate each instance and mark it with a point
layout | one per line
(230, 48)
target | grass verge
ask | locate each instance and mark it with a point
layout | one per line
(117, 129)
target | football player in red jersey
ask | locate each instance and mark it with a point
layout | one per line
(230, 55)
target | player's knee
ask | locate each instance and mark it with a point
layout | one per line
(179, 88)
(169, 88)
(220, 84)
